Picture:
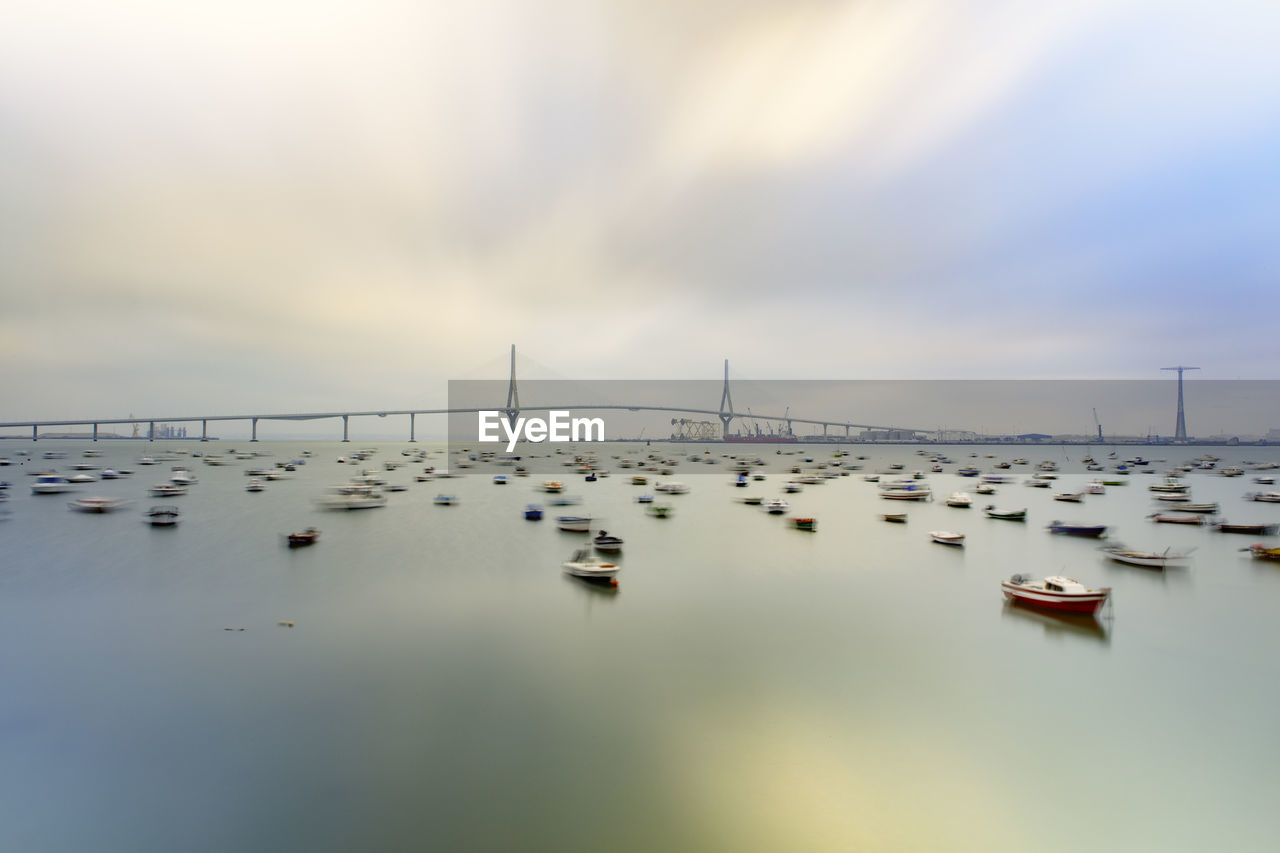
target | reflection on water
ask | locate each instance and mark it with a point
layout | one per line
(594, 588)
(1057, 625)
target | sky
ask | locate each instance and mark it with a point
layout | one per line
(279, 205)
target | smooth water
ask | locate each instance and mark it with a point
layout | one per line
(746, 687)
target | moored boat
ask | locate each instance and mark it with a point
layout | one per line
(50, 484)
(351, 496)
(1262, 552)
(162, 516)
(1255, 529)
(961, 500)
(604, 542)
(574, 523)
(946, 537)
(1071, 528)
(776, 506)
(894, 517)
(97, 504)
(1264, 497)
(1005, 515)
(167, 490)
(306, 537)
(584, 564)
(1149, 559)
(807, 524)
(1071, 497)
(659, 510)
(1055, 593)
(533, 512)
(1176, 519)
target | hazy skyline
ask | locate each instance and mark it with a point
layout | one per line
(286, 206)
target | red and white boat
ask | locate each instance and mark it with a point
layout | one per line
(1055, 593)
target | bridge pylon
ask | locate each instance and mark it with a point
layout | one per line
(726, 401)
(513, 393)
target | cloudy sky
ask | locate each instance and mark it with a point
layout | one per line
(301, 205)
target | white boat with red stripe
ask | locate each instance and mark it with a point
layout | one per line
(1055, 593)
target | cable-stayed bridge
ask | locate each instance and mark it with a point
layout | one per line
(512, 408)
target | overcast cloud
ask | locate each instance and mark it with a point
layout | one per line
(296, 206)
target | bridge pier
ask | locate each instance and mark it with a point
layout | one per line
(846, 431)
(151, 431)
(411, 438)
(344, 427)
(254, 431)
(204, 430)
(35, 435)
(95, 432)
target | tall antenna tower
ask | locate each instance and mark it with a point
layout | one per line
(1180, 431)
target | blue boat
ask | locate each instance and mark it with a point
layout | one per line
(533, 512)
(1072, 529)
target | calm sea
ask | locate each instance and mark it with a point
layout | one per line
(747, 686)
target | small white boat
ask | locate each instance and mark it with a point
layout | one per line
(80, 479)
(583, 564)
(254, 485)
(1070, 497)
(574, 523)
(776, 506)
(961, 500)
(946, 537)
(97, 504)
(552, 486)
(444, 500)
(1264, 497)
(1005, 515)
(167, 490)
(1096, 489)
(985, 489)
(183, 477)
(672, 488)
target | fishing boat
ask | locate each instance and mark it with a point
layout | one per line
(604, 542)
(1005, 515)
(894, 517)
(1262, 552)
(1055, 593)
(960, 500)
(807, 524)
(1255, 529)
(776, 506)
(1071, 528)
(1176, 519)
(97, 504)
(167, 490)
(574, 523)
(533, 512)
(1149, 559)
(306, 537)
(583, 564)
(659, 510)
(162, 516)
(946, 537)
